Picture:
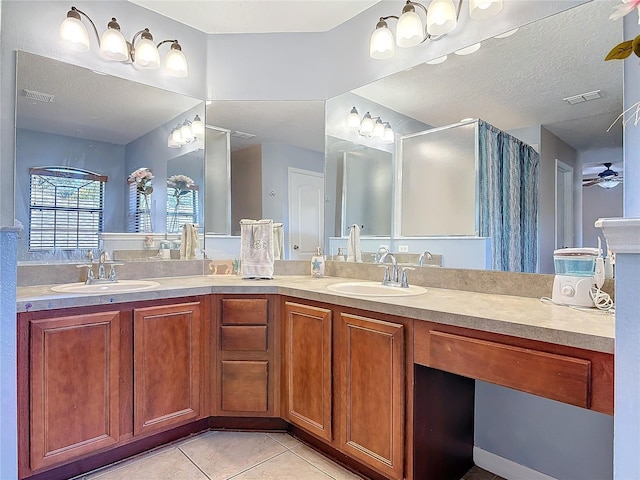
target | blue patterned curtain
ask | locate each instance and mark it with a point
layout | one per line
(509, 171)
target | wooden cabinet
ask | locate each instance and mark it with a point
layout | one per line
(74, 383)
(308, 368)
(167, 360)
(370, 361)
(246, 360)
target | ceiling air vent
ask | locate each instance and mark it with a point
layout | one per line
(244, 135)
(583, 97)
(38, 96)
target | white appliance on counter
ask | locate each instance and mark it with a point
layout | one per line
(578, 271)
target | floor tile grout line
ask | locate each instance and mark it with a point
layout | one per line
(256, 465)
(194, 463)
(317, 467)
(280, 443)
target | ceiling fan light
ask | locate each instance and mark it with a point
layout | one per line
(353, 119)
(147, 55)
(73, 34)
(608, 183)
(481, 9)
(113, 46)
(175, 63)
(381, 45)
(441, 17)
(409, 30)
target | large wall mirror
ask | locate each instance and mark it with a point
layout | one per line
(518, 83)
(77, 128)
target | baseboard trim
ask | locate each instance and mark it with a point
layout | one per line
(506, 468)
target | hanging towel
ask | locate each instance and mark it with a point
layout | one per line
(354, 254)
(256, 248)
(278, 241)
(190, 241)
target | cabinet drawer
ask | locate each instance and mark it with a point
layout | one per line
(243, 338)
(558, 377)
(245, 386)
(241, 311)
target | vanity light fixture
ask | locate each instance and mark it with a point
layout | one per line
(186, 132)
(441, 18)
(144, 53)
(370, 127)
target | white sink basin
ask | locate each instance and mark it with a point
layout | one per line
(375, 289)
(122, 286)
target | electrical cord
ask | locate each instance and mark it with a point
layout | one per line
(601, 300)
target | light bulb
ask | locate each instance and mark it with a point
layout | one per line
(366, 126)
(73, 34)
(381, 45)
(353, 119)
(113, 46)
(146, 53)
(441, 17)
(409, 31)
(175, 64)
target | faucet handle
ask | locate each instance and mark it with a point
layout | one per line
(387, 274)
(404, 283)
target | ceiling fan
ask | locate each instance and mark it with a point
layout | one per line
(605, 179)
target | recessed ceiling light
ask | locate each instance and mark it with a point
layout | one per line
(436, 61)
(506, 34)
(468, 50)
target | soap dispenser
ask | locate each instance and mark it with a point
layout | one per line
(317, 264)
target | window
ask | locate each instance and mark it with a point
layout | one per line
(139, 210)
(182, 209)
(66, 208)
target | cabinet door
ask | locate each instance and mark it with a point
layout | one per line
(371, 360)
(307, 368)
(166, 370)
(74, 377)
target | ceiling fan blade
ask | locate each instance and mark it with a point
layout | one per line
(589, 182)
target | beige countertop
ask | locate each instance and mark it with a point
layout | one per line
(510, 315)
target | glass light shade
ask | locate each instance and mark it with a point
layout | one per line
(146, 54)
(381, 45)
(113, 46)
(353, 119)
(171, 143)
(177, 136)
(186, 133)
(441, 17)
(480, 9)
(366, 126)
(197, 127)
(608, 183)
(378, 129)
(468, 50)
(73, 35)
(436, 61)
(175, 63)
(388, 136)
(409, 31)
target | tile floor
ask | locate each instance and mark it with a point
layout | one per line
(238, 456)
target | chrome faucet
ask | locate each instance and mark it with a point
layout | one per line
(102, 277)
(102, 259)
(378, 256)
(422, 257)
(390, 279)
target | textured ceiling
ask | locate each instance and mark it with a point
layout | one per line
(520, 81)
(258, 16)
(91, 105)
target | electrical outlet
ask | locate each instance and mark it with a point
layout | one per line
(403, 248)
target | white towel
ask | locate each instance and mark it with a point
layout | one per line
(190, 241)
(354, 254)
(256, 248)
(278, 241)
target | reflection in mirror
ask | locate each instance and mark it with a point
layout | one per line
(184, 197)
(266, 140)
(438, 193)
(503, 86)
(71, 117)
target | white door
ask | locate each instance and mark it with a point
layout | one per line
(306, 213)
(564, 205)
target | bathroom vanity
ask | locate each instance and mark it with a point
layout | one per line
(382, 384)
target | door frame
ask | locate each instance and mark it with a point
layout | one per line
(564, 174)
(312, 173)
